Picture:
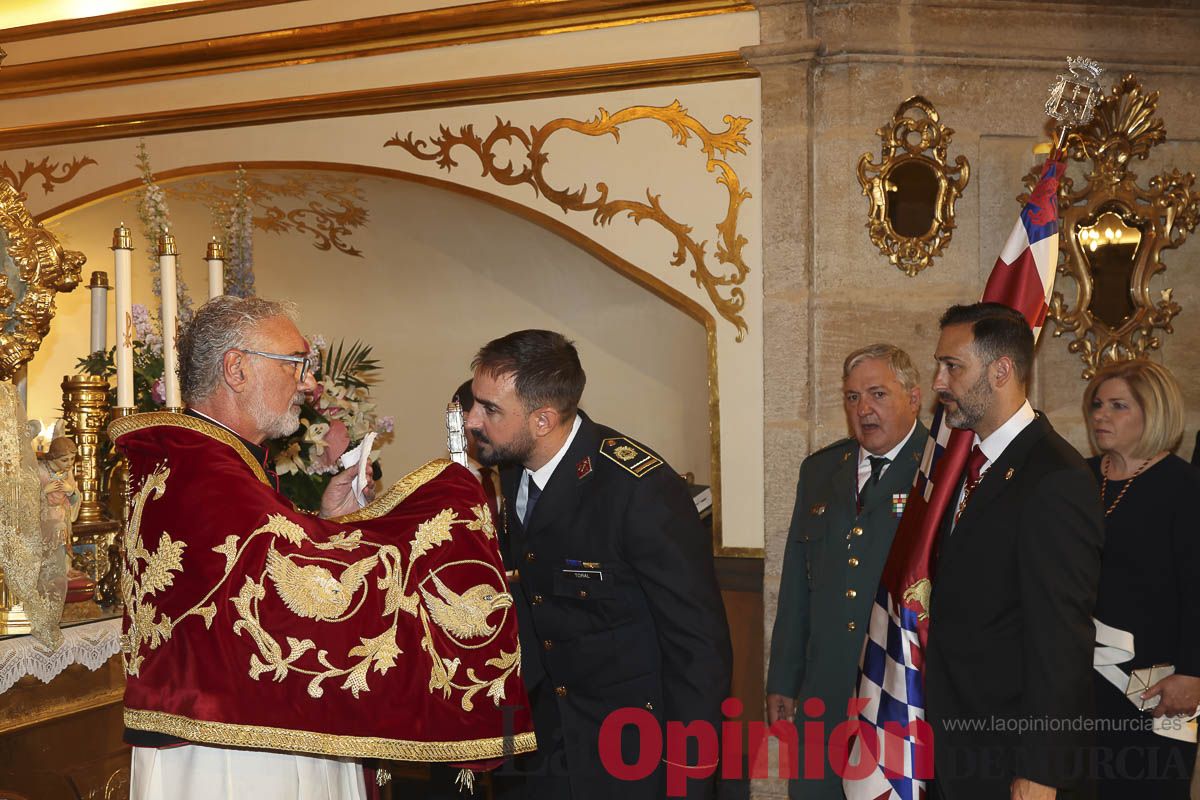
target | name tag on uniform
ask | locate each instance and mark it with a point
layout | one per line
(583, 570)
(584, 574)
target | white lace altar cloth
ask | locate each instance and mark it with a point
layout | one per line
(90, 644)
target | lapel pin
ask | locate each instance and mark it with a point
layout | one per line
(845, 456)
(817, 510)
(1008, 475)
(584, 468)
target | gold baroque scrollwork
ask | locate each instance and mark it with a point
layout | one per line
(310, 590)
(724, 288)
(1114, 232)
(33, 267)
(913, 168)
(330, 208)
(52, 174)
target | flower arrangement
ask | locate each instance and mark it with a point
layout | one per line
(155, 217)
(335, 419)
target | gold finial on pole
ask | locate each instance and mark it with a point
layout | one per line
(216, 250)
(166, 244)
(122, 238)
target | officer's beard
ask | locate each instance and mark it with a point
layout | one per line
(491, 454)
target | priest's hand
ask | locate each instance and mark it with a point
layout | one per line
(339, 496)
(1180, 695)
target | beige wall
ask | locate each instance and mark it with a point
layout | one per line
(439, 275)
(834, 72)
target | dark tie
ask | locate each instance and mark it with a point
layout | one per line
(531, 499)
(975, 464)
(487, 477)
(877, 465)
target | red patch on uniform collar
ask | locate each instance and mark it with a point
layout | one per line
(584, 468)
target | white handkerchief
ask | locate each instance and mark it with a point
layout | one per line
(360, 455)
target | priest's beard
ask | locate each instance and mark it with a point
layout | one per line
(969, 409)
(275, 426)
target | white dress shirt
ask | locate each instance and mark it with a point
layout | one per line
(864, 465)
(995, 444)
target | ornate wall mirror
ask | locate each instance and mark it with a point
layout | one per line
(33, 267)
(913, 189)
(1114, 232)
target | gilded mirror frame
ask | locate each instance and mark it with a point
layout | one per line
(1123, 128)
(915, 135)
(37, 260)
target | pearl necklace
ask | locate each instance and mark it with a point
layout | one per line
(1125, 488)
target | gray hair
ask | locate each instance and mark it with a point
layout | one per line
(222, 324)
(902, 366)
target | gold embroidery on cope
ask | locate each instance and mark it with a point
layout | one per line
(309, 588)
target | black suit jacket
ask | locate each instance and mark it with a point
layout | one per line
(1011, 636)
(618, 607)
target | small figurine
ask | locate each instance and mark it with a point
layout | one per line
(57, 473)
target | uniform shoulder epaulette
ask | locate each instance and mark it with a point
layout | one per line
(629, 455)
(838, 445)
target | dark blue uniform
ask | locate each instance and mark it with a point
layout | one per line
(618, 607)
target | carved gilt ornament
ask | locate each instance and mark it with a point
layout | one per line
(913, 189)
(1114, 232)
(723, 285)
(33, 267)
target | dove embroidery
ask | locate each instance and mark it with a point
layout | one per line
(464, 615)
(312, 591)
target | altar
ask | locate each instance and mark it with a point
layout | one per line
(60, 716)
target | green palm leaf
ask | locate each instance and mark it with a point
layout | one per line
(352, 368)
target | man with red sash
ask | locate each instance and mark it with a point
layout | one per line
(267, 650)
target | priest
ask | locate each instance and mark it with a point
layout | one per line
(267, 651)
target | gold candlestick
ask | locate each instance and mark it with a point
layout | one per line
(85, 411)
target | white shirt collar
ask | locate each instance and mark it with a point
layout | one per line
(542, 475)
(995, 445)
(890, 455)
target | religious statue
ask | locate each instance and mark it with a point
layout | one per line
(56, 471)
(57, 474)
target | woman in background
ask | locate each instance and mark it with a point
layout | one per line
(1150, 578)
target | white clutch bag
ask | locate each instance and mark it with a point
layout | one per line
(1142, 679)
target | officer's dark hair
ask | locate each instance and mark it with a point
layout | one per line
(544, 365)
(464, 396)
(999, 331)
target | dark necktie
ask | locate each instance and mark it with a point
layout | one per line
(531, 499)
(487, 477)
(975, 464)
(877, 465)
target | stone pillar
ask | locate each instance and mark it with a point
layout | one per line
(785, 60)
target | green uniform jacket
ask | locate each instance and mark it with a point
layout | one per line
(831, 569)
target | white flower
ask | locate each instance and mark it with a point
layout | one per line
(315, 436)
(290, 460)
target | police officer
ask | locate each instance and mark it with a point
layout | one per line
(613, 579)
(848, 502)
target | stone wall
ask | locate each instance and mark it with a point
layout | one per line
(834, 72)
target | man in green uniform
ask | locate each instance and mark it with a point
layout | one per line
(848, 502)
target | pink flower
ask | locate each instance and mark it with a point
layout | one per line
(386, 424)
(158, 392)
(337, 441)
